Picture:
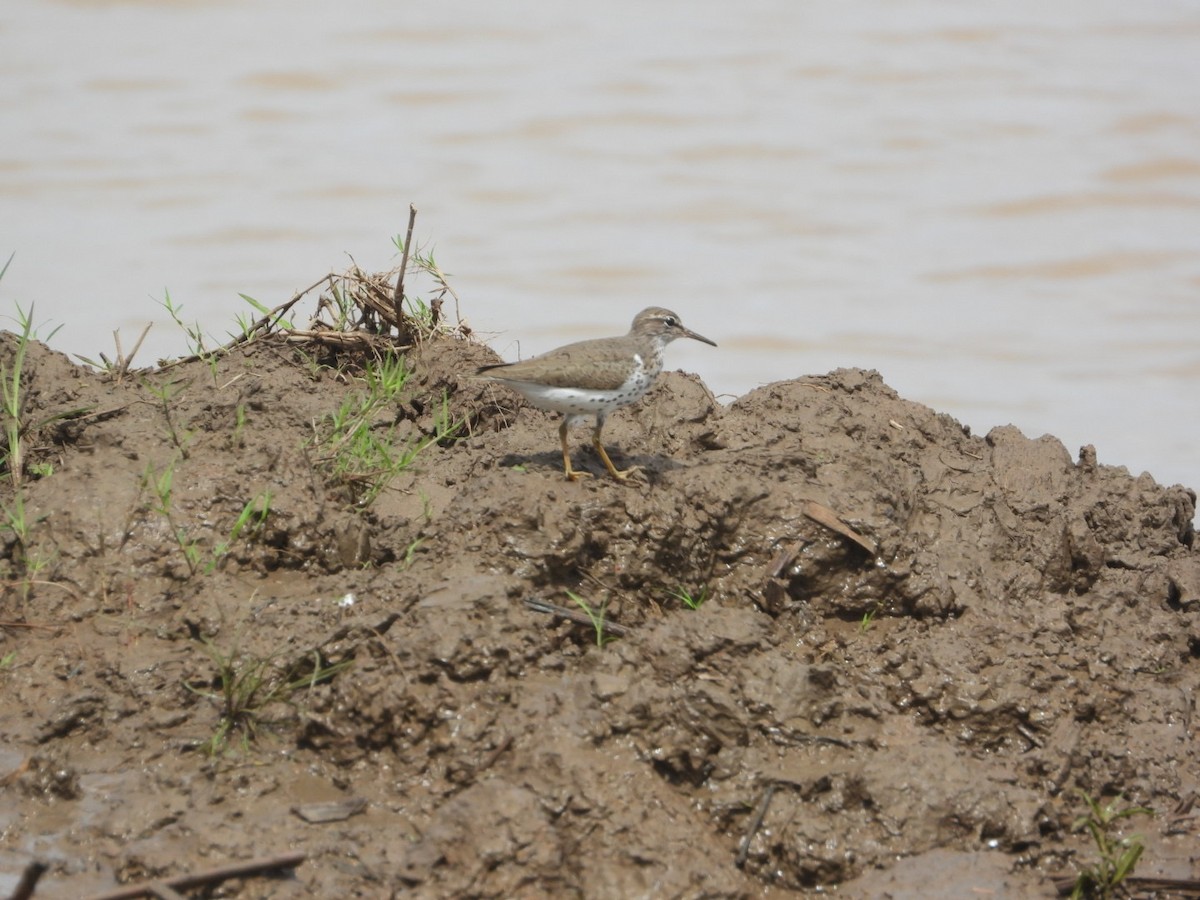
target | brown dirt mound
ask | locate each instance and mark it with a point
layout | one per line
(917, 718)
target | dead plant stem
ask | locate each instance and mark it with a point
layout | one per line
(398, 296)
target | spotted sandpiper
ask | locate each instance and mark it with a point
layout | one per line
(592, 378)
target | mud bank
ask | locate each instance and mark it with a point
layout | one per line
(912, 712)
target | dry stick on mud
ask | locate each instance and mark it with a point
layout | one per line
(29, 879)
(755, 823)
(258, 866)
(31, 625)
(574, 615)
(494, 754)
(163, 891)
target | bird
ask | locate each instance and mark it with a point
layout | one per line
(593, 378)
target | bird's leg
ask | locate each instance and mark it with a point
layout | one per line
(572, 474)
(619, 474)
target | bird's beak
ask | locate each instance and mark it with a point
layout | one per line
(687, 332)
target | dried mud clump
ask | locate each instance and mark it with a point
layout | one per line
(238, 589)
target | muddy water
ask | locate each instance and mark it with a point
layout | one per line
(997, 210)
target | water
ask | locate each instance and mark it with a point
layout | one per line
(998, 208)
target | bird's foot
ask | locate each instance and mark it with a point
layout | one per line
(622, 475)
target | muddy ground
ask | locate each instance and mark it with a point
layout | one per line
(909, 716)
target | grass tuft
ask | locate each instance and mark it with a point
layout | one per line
(1118, 856)
(687, 598)
(362, 450)
(246, 686)
(596, 614)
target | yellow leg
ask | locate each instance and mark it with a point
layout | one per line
(619, 474)
(572, 474)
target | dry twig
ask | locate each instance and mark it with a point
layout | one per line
(760, 813)
(259, 866)
(398, 296)
(29, 879)
(574, 615)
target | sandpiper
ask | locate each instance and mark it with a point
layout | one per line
(592, 378)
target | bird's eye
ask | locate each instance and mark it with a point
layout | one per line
(671, 321)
